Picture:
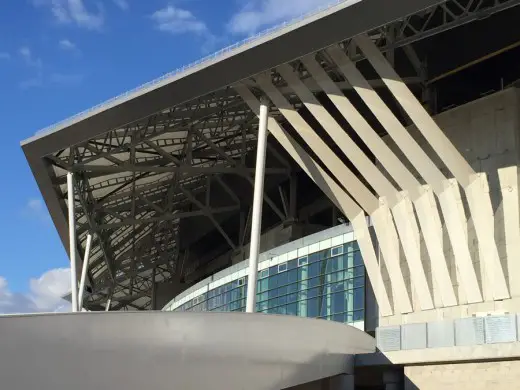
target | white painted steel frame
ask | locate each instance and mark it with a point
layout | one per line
(258, 198)
(84, 270)
(72, 242)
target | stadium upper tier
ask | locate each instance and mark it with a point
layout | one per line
(164, 174)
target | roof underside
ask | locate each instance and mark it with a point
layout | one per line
(164, 179)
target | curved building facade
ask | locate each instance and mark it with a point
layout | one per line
(318, 276)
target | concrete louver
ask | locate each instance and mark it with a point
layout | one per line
(337, 195)
(382, 221)
(421, 196)
(447, 193)
(400, 216)
(475, 185)
(404, 221)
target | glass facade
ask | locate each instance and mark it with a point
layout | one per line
(328, 284)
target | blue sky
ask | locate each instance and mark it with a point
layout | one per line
(59, 57)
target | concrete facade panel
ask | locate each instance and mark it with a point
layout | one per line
(479, 375)
(486, 132)
(413, 336)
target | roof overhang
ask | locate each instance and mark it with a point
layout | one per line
(341, 22)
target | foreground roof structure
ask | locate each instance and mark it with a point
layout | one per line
(251, 352)
(164, 173)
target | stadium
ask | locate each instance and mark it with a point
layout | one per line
(351, 177)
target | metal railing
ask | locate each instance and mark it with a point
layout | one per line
(199, 63)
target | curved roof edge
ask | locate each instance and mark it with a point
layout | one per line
(161, 350)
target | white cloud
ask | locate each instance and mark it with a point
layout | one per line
(178, 21)
(4, 55)
(35, 205)
(256, 14)
(74, 11)
(35, 208)
(44, 294)
(28, 57)
(123, 4)
(65, 44)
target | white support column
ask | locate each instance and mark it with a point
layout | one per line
(72, 243)
(352, 183)
(475, 186)
(109, 302)
(258, 197)
(336, 194)
(427, 211)
(153, 302)
(405, 222)
(424, 165)
(84, 270)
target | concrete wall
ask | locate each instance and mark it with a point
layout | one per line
(479, 375)
(486, 132)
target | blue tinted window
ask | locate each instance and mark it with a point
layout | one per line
(312, 307)
(314, 270)
(314, 257)
(292, 276)
(359, 298)
(358, 260)
(325, 254)
(328, 284)
(292, 288)
(338, 250)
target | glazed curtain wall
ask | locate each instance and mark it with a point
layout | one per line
(328, 284)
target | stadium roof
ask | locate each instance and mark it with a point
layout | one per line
(142, 160)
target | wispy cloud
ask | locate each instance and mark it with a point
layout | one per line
(35, 208)
(4, 55)
(27, 55)
(178, 21)
(44, 294)
(74, 12)
(123, 4)
(32, 62)
(65, 44)
(256, 14)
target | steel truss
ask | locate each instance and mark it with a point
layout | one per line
(137, 183)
